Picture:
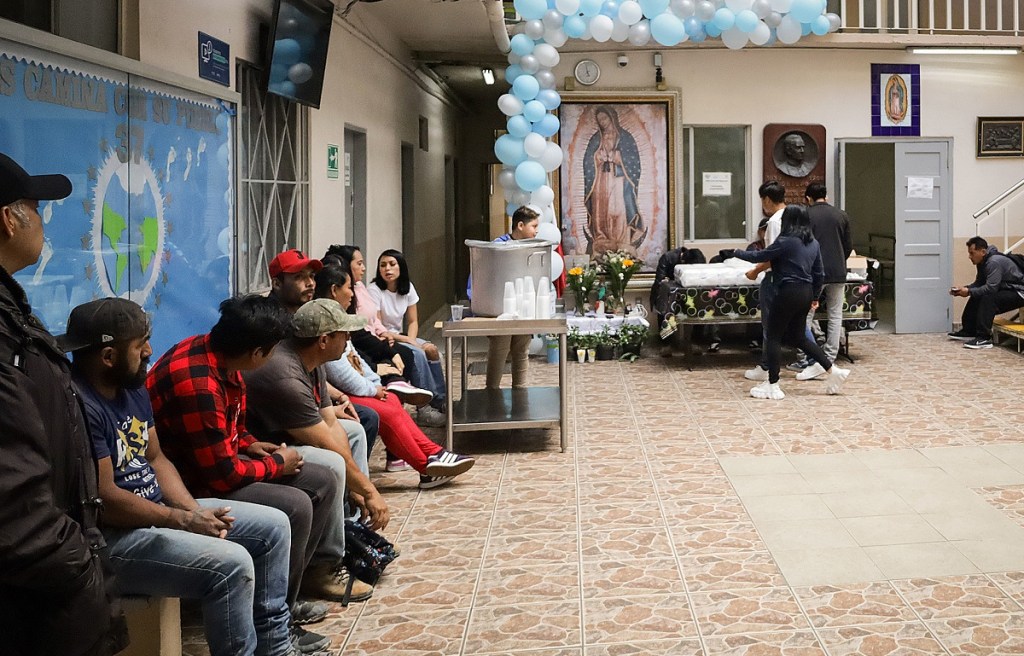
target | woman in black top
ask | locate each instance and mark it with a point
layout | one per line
(799, 276)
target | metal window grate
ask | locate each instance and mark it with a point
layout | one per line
(273, 179)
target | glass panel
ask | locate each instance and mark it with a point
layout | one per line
(717, 175)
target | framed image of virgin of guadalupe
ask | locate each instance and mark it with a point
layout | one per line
(617, 179)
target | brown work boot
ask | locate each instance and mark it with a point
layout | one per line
(332, 582)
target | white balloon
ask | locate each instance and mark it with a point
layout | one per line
(521, 197)
(834, 22)
(546, 55)
(705, 10)
(557, 38)
(548, 215)
(543, 195)
(781, 6)
(734, 38)
(546, 79)
(534, 145)
(557, 265)
(601, 28)
(630, 12)
(509, 194)
(553, 20)
(534, 29)
(587, 34)
(529, 64)
(510, 105)
(549, 232)
(761, 7)
(640, 34)
(507, 178)
(789, 30)
(567, 7)
(773, 19)
(551, 158)
(683, 8)
(738, 5)
(620, 32)
(761, 34)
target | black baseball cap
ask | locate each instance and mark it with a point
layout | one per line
(16, 184)
(102, 322)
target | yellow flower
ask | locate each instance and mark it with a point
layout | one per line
(576, 271)
(627, 263)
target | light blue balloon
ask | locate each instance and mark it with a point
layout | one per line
(805, 10)
(724, 19)
(574, 27)
(653, 8)
(610, 8)
(667, 29)
(287, 51)
(286, 88)
(805, 29)
(700, 37)
(534, 111)
(746, 21)
(712, 30)
(521, 44)
(278, 73)
(820, 26)
(549, 98)
(511, 208)
(518, 126)
(693, 26)
(512, 72)
(509, 150)
(525, 87)
(530, 175)
(547, 126)
(531, 9)
(590, 8)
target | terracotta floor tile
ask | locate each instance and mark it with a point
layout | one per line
(438, 554)
(902, 639)
(1012, 583)
(684, 647)
(516, 521)
(530, 495)
(701, 510)
(502, 629)
(628, 619)
(779, 643)
(506, 586)
(995, 635)
(717, 538)
(622, 544)
(645, 576)
(955, 596)
(421, 592)
(832, 606)
(602, 516)
(429, 526)
(747, 611)
(552, 549)
(730, 571)
(408, 634)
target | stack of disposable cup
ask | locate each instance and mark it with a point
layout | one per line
(528, 309)
(543, 299)
(519, 298)
(508, 304)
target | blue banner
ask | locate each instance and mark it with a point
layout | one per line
(150, 215)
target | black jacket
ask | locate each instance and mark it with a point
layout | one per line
(996, 272)
(831, 228)
(52, 588)
(666, 268)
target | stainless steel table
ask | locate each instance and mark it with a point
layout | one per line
(527, 407)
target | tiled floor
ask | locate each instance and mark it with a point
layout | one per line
(687, 518)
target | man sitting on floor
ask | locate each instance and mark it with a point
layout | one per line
(998, 288)
(164, 542)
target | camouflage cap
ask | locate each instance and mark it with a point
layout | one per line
(323, 316)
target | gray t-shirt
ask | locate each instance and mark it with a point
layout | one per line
(281, 395)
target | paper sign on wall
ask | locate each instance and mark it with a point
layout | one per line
(920, 187)
(717, 183)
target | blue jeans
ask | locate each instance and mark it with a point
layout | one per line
(242, 581)
(423, 372)
(370, 421)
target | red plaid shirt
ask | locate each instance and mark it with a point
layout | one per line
(199, 413)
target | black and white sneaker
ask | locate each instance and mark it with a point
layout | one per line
(308, 642)
(961, 334)
(430, 482)
(978, 343)
(799, 365)
(309, 612)
(446, 463)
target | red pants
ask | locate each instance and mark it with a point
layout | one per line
(399, 432)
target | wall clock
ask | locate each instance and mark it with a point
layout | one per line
(587, 72)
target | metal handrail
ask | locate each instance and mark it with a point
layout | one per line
(1000, 198)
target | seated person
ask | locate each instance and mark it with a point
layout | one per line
(199, 407)
(998, 288)
(666, 270)
(396, 300)
(400, 434)
(163, 542)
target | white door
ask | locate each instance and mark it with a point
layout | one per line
(923, 236)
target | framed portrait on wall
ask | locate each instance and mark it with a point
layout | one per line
(1000, 136)
(895, 100)
(617, 181)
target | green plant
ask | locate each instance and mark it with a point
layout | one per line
(581, 281)
(618, 267)
(575, 339)
(607, 337)
(632, 334)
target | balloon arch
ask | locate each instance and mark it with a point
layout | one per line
(526, 151)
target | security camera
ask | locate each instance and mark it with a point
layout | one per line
(623, 61)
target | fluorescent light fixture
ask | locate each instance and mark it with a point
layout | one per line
(488, 75)
(925, 50)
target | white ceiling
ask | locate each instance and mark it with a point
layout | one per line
(455, 29)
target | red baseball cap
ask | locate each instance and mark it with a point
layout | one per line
(292, 261)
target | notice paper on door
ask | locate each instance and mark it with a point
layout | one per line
(717, 183)
(920, 187)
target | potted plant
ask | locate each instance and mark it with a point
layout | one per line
(631, 339)
(590, 339)
(551, 344)
(576, 342)
(581, 282)
(606, 343)
(618, 268)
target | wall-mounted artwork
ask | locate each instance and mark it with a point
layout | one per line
(1000, 136)
(617, 180)
(895, 100)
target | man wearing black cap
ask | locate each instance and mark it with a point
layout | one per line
(53, 598)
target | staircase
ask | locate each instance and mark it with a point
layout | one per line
(998, 209)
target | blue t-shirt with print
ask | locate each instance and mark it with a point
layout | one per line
(120, 431)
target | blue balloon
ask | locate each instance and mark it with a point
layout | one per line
(509, 150)
(667, 29)
(511, 208)
(549, 98)
(522, 44)
(278, 73)
(534, 111)
(724, 18)
(574, 27)
(820, 26)
(285, 88)
(531, 9)
(805, 29)
(700, 37)
(746, 21)
(547, 126)
(653, 8)
(287, 51)
(610, 8)
(525, 87)
(693, 26)
(590, 8)
(712, 30)
(512, 72)
(805, 10)
(530, 175)
(518, 126)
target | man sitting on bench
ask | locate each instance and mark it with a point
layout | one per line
(998, 288)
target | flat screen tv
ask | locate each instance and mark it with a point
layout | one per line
(298, 49)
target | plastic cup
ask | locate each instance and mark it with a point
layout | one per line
(457, 312)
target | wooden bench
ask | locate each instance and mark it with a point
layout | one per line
(154, 626)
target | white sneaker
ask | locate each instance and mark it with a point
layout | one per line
(813, 371)
(836, 379)
(767, 390)
(408, 393)
(757, 373)
(428, 416)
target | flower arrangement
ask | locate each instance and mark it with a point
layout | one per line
(581, 281)
(619, 267)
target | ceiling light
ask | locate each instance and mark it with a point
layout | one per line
(920, 50)
(488, 75)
